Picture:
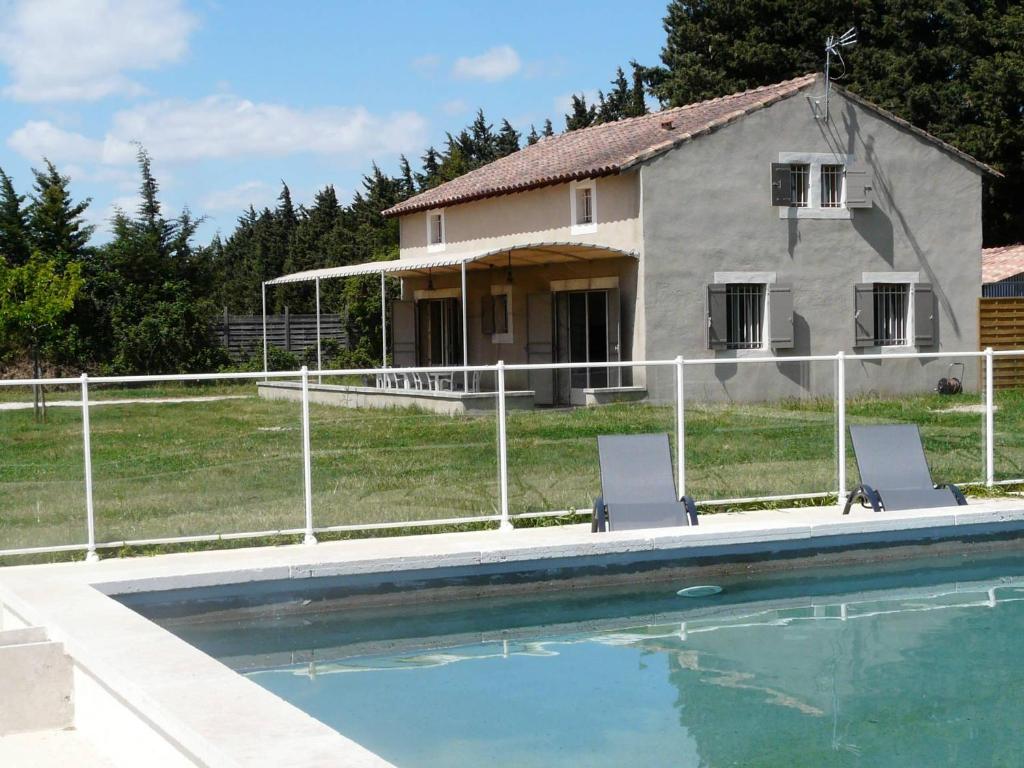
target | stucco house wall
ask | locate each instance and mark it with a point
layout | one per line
(706, 208)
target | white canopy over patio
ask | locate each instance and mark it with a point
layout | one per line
(526, 255)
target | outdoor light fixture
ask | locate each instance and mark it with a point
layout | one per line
(508, 276)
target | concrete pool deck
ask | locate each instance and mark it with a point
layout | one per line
(141, 691)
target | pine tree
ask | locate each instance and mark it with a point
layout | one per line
(636, 105)
(508, 139)
(56, 224)
(533, 137)
(14, 233)
(615, 105)
(408, 183)
(582, 114)
(431, 169)
(482, 147)
(549, 130)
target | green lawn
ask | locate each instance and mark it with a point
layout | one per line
(236, 465)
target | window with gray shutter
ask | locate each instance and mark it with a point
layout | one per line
(782, 184)
(859, 186)
(717, 316)
(864, 315)
(487, 315)
(924, 315)
(780, 312)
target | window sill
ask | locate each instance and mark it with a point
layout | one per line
(583, 229)
(886, 349)
(730, 354)
(815, 213)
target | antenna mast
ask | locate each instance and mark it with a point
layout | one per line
(832, 46)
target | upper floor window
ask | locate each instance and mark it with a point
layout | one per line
(799, 178)
(435, 230)
(819, 185)
(832, 177)
(583, 206)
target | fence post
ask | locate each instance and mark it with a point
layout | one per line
(990, 437)
(307, 471)
(840, 427)
(680, 429)
(506, 523)
(90, 515)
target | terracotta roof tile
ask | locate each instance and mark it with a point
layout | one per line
(1000, 263)
(600, 150)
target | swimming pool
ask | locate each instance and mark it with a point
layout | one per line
(879, 665)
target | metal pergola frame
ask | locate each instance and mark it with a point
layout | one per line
(532, 254)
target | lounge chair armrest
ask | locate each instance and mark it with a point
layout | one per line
(691, 510)
(957, 493)
(599, 516)
(867, 496)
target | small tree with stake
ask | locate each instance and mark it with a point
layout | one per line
(34, 297)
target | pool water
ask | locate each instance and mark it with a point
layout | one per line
(910, 665)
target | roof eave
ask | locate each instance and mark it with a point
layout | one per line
(401, 209)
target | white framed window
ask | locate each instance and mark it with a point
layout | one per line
(886, 311)
(745, 315)
(583, 206)
(500, 324)
(435, 231)
(799, 185)
(833, 179)
(892, 314)
(817, 185)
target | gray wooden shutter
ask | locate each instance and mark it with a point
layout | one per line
(780, 310)
(403, 333)
(487, 315)
(864, 315)
(859, 186)
(717, 330)
(782, 190)
(502, 310)
(924, 315)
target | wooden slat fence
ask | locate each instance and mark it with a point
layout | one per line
(1001, 326)
(242, 335)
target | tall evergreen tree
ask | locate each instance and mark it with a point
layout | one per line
(56, 223)
(548, 130)
(582, 115)
(508, 139)
(954, 69)
(532, 137)
(14, 232)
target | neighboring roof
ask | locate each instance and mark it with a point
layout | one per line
(515, 256)
(1000, 263)
(611, 148)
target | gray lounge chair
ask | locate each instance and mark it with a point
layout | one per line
(637, 485)
(894, 472)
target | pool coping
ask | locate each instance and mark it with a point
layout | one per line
(138, 687)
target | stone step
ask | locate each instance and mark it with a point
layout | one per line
(36, 680)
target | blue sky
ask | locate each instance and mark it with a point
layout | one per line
(232, 97)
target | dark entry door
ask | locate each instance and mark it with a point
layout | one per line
(588, 332)
(440, 332)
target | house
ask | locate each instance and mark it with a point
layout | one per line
(1002, 271)
(777, 221)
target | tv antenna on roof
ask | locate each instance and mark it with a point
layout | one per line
(833, 45)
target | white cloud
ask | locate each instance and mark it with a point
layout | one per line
(225, 127)
(454, 107)
(427, 64)
(238, 197)
(80, 49)
(496, 64)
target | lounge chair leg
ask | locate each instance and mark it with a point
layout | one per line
(957, 494)
(864, 493)
(599, 516)
(691, 510)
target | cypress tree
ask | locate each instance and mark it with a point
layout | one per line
(508, 139)
(582, 114)
(549, 130)
(533, 137)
